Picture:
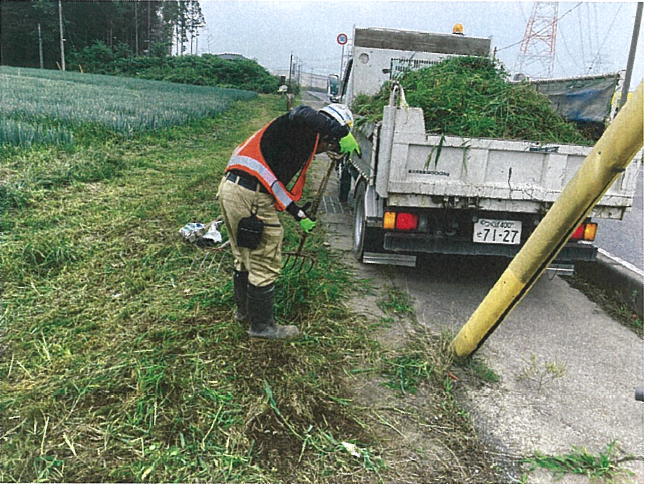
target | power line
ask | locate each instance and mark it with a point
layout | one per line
(582, 43)
(606, 37)
(573, 57)
(543, 30)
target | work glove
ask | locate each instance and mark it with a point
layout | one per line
(348, 145)
(307, 225)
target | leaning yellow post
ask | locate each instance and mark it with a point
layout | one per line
(608, 159)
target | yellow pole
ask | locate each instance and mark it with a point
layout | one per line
(608, 159)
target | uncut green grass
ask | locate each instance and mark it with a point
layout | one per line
(121, 359)
(59, 108)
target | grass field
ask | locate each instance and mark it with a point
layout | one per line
(121, 360)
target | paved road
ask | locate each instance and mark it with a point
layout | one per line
(589, 405)
(624, 238)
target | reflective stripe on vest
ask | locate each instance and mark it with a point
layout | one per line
(264, 175)
(248, 158)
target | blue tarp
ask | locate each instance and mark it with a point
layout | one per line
(581, 99)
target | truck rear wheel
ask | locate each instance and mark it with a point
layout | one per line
(358, 246)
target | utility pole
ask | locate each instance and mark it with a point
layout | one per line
(40, 47)
(290, 69)
(149, 45)
(632, 55)
(62, 40)
(136, 28)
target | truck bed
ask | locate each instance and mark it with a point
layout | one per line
(416, 169)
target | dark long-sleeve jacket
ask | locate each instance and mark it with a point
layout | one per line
(290, 139)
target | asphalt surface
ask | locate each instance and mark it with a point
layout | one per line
(624, 238)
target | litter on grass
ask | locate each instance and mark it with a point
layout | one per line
(203, 235)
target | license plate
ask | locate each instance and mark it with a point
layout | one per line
(490, 231)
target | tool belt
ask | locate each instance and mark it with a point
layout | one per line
(245, 180)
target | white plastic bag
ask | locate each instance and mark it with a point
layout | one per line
(202, 235)
(192, 231)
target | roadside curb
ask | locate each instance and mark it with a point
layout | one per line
(615, 278)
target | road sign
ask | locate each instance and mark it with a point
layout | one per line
(342, 39)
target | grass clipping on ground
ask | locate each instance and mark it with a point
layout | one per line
(121, 357)
(471, 97)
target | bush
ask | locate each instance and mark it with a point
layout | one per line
(205, 70)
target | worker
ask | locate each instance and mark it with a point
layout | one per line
(458, 29)
(254, 189)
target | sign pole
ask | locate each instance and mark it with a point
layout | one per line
(342, 40)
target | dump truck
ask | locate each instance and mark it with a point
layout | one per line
(420, 193)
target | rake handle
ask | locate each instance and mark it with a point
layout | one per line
(316, 204)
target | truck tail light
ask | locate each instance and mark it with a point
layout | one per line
(389, 220)
(586, 231)
(407, 221)
(400, 221)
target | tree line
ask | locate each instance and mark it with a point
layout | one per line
(129, 28)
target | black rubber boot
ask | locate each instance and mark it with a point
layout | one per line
(240, 282)
(260, 311)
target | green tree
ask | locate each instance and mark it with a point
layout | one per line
(144, 26)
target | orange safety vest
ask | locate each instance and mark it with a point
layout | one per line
(248, 158)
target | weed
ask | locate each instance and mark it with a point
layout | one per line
(617, 307)
(396, 302)
(471, 97)
(122, 360)
(603, 466)
(540, 375)
(406, 371)
(480, 369)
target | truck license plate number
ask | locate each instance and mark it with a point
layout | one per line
(489, 231)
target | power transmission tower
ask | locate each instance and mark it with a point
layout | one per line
(537, 50)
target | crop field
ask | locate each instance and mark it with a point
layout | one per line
(49, 107)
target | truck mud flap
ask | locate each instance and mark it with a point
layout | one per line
(391, 259)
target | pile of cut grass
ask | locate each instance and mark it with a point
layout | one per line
(471, 97)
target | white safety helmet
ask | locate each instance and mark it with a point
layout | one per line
(340, 113)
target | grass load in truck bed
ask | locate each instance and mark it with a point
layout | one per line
(471, 97)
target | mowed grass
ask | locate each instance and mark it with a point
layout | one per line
(121, 360)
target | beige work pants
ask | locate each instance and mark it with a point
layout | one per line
(264, 263)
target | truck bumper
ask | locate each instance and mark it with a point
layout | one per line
(422, 243)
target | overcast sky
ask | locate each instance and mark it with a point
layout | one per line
(592, 37)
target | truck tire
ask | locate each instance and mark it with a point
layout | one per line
(358, 245)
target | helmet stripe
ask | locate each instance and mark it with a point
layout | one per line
(338, 113)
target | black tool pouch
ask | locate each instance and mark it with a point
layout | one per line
(249, 231)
